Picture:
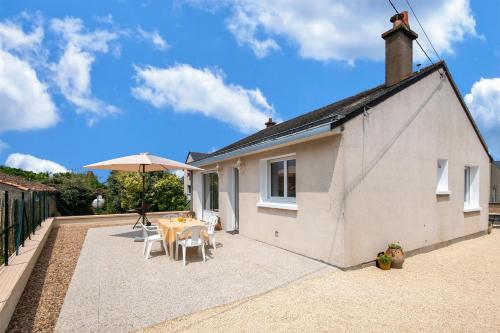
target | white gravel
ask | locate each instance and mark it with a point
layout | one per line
(454, 289)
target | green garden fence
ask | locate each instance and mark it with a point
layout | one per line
(21, 214)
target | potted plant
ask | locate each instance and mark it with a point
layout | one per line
(384, 261)
(395, 251)
(490, 227)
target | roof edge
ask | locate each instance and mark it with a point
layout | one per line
(312, 133)
(396, 89)
(466, 109)
(439, 65)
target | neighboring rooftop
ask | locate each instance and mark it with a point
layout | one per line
(23, 184)
(496, 163)
(196, 156)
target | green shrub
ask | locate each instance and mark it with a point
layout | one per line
(122, 191)
(163, 191)
(28, 175)
(394, 246)
(384, 259)
(75, 192)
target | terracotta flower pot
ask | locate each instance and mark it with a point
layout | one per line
(218, 226)
(397, 255)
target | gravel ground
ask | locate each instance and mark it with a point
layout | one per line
(42, 299)
(454, 289)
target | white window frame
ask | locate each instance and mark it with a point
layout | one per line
(467, 185)
(285, 197)
(442, 177)
(268, 201)
(471, 188)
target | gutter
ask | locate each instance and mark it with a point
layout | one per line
(310, 133)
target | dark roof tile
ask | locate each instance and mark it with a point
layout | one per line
(335, 113)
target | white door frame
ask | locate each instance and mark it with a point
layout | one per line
(231, 212)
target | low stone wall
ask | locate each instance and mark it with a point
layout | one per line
(13, 278)
(118, 219)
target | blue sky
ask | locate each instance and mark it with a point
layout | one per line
(84, 81)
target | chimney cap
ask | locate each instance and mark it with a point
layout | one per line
(400, 21)
(270, 123)
(399, 18)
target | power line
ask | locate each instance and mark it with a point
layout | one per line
(432, 62)
(425, 33)
(416, 40)
(397, 12)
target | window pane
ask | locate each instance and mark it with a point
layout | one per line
(206, 191)
(211, 191)
(466, 185)
(290, 170)
(214, 191)
(278, 179)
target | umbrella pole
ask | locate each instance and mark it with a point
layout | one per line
(142, 198)
(145, 220)
(143, 216)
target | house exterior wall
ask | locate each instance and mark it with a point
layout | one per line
(391, 172)
(315, 229)
(495, 183)
(371, 185)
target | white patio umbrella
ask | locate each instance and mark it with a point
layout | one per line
(141, 163)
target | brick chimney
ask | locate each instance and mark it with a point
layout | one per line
(398, 49)
(270, 123)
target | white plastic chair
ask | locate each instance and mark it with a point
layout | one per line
(211, 230)
(152, 235)
(196, 240)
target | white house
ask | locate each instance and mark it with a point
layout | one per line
(402, 162)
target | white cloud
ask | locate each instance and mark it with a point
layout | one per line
(484, 104)
(24, 100)
(72, 72)
(154, 38)
(13, 37)
(71, 30)
(344, 30)
(244, 28)
(107, 19)
(187, 89)
(32, 163)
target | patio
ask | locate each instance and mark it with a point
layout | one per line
(114, 289)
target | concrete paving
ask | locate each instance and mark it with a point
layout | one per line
(114, 289)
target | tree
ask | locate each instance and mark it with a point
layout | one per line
(131, 183)
(167, 194)
(163, 191)
(114, 194)
(28, 175)
(122, 191)
(75, 193)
